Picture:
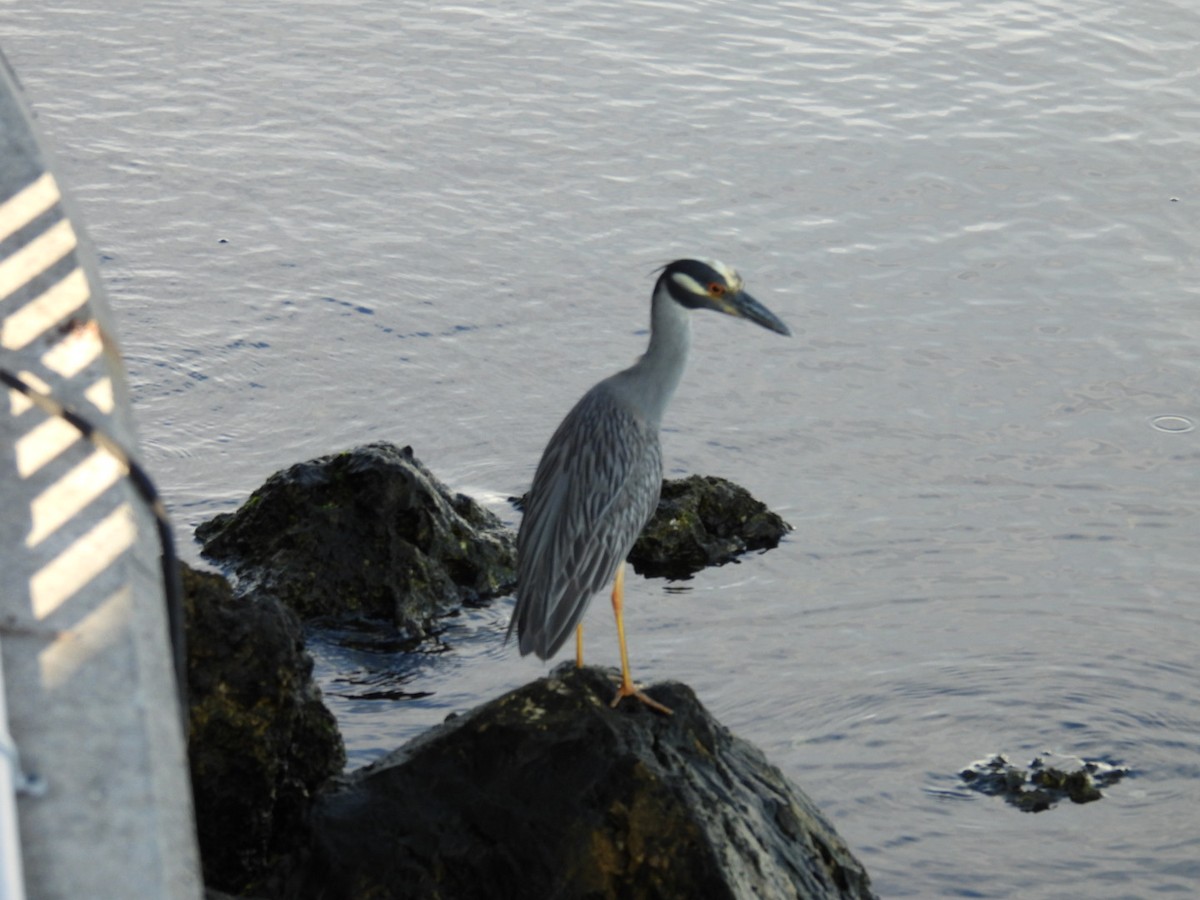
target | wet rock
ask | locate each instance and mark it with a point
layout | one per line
(261, 740)
(700, 521)
(549, 792)
(703, 521)
(369, 533)
(1047, 780)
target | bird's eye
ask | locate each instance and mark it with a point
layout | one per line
(716, 289)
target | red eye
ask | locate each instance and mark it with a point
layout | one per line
(716, 289)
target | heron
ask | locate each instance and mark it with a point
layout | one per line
(599, 478)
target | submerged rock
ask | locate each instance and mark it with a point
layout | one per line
(370, 533)
(261, 741)
(1047, 780)
(703, 521)
(549, 792)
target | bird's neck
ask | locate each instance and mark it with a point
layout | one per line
(658, 372)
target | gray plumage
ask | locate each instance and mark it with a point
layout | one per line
(596, 487)
(599, 479)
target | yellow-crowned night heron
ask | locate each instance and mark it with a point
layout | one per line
(599, 479)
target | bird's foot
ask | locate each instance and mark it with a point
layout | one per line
(628, 690)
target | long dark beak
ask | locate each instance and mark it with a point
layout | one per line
(743, 306)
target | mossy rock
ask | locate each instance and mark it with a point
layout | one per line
(549, 791)
(261, 741)
(703, 521)
(368, 533)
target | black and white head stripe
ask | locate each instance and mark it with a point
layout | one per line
(694, 282)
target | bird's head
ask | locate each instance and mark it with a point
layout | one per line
(708, 284)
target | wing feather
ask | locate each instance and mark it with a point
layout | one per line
(595, 488)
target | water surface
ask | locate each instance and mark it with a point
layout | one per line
(329, 223)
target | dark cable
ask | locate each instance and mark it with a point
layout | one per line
(172, 583)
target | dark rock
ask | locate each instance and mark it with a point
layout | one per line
(261, 740)
(1047, 780)
(549, 792)
(703, 521)
(369, 532)
(700, 521)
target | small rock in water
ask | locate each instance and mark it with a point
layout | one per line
(703, 521)
(1047, 779)
(700, 521)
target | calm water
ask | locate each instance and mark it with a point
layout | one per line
(333, 222)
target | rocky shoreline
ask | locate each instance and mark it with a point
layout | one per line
(544, 791)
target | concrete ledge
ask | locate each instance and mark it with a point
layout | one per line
(87, 667)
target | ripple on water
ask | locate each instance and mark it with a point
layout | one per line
(1173, 424)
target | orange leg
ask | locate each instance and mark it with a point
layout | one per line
(627, 688)
(579, 646)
